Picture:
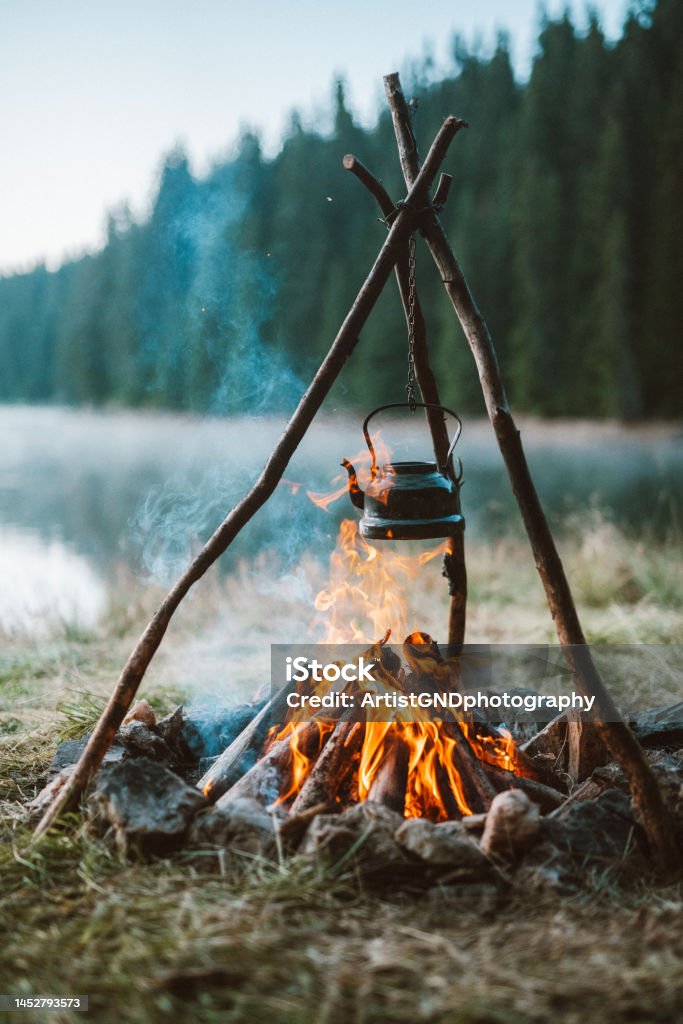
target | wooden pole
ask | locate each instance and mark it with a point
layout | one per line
(619, 739)
(239, 516)
(454, 560)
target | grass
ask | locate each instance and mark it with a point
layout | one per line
(171, 939)
(176, 939)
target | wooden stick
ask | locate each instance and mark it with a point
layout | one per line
(476, 785)
(547, 798)
(239, 516)
(332, 766)
(225, 771)
(445, 791)
(454, 560)
(620, 741)
(265, 780)
(389, 784)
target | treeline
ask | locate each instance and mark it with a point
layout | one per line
(565, 211)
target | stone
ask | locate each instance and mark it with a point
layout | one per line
(581, 839)
(446, 847)
(595, 833)
(243, 826)
(140, 740)
(170, 729)
(362, 835)
(474, 822)
(601, 829)
(47, 794)
(68, 753)
(141, 711)
(512, 826)
(148, 806)
(668, 770)
(608, 776)
(659, 727)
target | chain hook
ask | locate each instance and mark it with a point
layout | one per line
(410, 386)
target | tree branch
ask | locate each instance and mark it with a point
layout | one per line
(239, 516)
(620, 741)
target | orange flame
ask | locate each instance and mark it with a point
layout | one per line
(302, 761)
(362, 463)
(498, 750)
(430, 751)
(365, 595)
(365, 598)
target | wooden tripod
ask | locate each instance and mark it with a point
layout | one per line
(415, 213)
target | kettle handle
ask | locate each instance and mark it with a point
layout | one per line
(412, 406)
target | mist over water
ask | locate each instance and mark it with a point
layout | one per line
(144, 491)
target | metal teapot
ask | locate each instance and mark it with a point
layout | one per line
(408, 500)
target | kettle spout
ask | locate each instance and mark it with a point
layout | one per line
(355, 493)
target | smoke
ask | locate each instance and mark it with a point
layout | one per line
(221, 352)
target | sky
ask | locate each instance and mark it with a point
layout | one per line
(95, 92)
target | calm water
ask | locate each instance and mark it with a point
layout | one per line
(83, 492)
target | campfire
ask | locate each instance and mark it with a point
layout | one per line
(438, 766)
(431, 771)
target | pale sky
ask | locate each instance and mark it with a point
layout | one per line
(94, 92)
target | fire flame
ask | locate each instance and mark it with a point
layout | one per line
(366, 598)
(302, 760)
(429, 751)
(362, 463)
(367, 587)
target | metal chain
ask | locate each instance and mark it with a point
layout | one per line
(410, 386)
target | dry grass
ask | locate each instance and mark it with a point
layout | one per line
(170, 940)
(175, 940)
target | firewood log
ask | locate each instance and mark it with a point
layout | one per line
(546, 798)
(446, 794)
(477, 788)
(228, 768)
(267, 778)
(331, 768)
(388, 786)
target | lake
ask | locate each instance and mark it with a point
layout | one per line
(83, 493)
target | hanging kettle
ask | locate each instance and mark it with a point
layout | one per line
(408, 500)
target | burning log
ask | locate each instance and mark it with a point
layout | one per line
(445, 791)
(226, 771)
(331, 769)
(267, 779)
(477, 788)
(389, 782)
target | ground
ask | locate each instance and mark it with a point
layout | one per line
(175, 939)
